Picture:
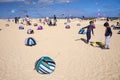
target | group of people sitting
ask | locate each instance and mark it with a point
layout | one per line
(117, 26)
(50, 22)
(46, 20)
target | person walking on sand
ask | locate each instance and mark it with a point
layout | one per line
(89, 30)
(108, 34)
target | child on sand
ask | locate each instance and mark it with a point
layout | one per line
(108, 34)
(89, 30)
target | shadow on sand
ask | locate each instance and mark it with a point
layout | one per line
(97, 44)
(82, 39)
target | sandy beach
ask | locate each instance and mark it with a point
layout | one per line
(75, 60)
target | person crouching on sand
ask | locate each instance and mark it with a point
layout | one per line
(89, 30)
(108, 34)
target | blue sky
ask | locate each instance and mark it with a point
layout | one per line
(42, 8)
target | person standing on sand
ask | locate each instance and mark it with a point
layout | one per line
(27, 19)
(107, 18)
(16, 20)
(89, 30)
(108, 34)
(55, 20)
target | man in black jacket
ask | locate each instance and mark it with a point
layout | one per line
(108, 34)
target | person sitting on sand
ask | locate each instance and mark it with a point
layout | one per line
(89, 30)
(108, 34)
(117, 26)
(50, 23)
(27, 19)
(47, 20)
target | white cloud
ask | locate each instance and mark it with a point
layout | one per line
(10, 0)
(46, 1)
(40, 2)
(52, 2)
(64, 1)
(55, 1)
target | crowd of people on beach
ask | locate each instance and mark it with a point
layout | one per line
(89, 29)
(49, 21)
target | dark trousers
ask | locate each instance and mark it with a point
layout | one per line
(88, 34)
(16, 21)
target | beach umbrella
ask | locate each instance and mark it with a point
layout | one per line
(45, 65)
